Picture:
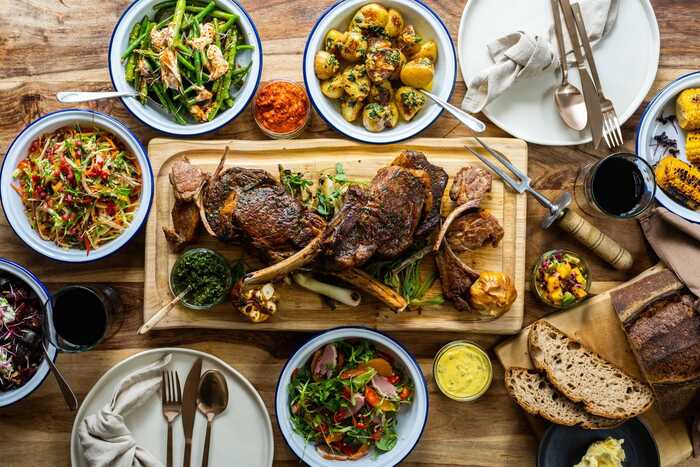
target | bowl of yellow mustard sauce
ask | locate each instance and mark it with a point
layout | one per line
(462, 371)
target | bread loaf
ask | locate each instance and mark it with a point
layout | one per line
(663, 330)
(584, 376)
(531, 391)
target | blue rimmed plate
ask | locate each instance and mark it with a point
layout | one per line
(411, 419)
(427, 23)
(153, 115)
(14, 208)
(651, 125)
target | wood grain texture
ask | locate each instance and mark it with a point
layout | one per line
(57, 45)
(300, 310)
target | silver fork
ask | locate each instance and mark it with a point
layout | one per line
(172, 406)
(611, 125)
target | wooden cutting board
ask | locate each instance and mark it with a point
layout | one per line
(595, 323)
(299, 309)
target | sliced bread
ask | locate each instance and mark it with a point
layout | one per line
(531, 391)
(584, 376)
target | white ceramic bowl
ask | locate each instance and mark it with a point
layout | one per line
(12, 203)
(24, 275)
(411, 419)
(665, 104)
(151, 114)
(428, 25)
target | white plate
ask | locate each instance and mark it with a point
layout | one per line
(411, 419)
(665, 104)
(428, 25)
(627, 61)
(243, 432)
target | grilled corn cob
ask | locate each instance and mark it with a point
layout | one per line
(692, 147)
(679, 180)
(688, 109)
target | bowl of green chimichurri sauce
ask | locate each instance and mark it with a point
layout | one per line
(206, 273)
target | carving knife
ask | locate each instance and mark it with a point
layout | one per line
(590, 93)
(189, 407)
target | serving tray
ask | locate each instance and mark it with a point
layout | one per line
(595, 323)
(300, 310)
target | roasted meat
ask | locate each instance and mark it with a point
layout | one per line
(250, 205)
(381, 220)
(470, 183)
(469, 186)
(187, 181)
(474, 230)
(456, 277)
(438, 181)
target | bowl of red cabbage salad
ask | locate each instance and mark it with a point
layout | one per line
(345, 400)
(21, 320)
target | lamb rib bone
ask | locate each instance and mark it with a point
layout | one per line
(456, 212)
(366, 283)
(299, 259)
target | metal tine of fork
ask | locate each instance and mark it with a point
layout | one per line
(618, 128)
(611, 119)
(503, 159)
(611, 126)
(178, 394)
(162, 386)
(172, 386)
(506, 178)
(606, 132)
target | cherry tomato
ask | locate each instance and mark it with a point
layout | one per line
(405, 393)
(339, 416)
(372, 397)
(393, 379)
(360, 425)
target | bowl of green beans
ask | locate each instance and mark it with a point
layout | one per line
(192, 65)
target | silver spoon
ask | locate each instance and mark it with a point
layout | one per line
(568, 97)
(71, 97)
(468, 120)
(211, 401)
(68, 394)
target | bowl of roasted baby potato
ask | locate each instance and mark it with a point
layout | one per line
(365, 64)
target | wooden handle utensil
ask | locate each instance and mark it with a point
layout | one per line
(599, 243)
(155, 319)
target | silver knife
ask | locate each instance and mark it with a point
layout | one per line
(189, 407)
(590, 93)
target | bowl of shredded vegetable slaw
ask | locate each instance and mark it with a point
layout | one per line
(76, 185)
(354, 396)
(195, 64)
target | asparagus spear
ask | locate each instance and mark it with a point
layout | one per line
(131, 62)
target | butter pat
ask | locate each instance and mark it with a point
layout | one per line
(607, 453)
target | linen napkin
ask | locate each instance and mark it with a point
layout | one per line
(521, 55)
(677, 242)
(104, 437)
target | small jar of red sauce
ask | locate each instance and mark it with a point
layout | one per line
(281, 109)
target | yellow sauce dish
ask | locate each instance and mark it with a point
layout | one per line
(462, 371)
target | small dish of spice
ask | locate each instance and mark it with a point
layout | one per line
(205, 273)
(561, 278)
(462, 371)
(281, 109)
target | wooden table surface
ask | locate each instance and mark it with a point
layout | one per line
(56, 45)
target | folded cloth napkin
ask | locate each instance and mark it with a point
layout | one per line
(677, 242)
(521, 55)
(104, 437)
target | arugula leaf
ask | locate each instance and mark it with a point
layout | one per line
(387, 442)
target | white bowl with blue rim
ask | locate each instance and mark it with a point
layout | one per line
(24, 275)
(652, 124)
(14, 208)
(411, 419)
(152, 114)
(427, 24)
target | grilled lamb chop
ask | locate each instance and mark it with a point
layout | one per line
(250, 205)
(381, 220)
(433, 200)
(469, 186)
(455, 277)
(187, 181)
(474, 230)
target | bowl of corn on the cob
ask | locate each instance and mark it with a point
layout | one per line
(668, 137)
